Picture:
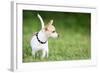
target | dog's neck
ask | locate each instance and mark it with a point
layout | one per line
(42, 36)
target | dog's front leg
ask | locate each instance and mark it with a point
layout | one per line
(43, 54)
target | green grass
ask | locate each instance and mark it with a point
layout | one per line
(73, 43)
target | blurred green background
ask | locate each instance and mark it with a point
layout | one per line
(74, 30)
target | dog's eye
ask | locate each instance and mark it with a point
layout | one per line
(53, 31)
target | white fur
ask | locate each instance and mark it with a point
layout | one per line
(36, 45)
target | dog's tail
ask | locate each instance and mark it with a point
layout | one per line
(41, 20)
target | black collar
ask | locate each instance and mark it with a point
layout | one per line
(40, 40)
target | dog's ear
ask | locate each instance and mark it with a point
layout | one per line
(46, 27)
(51, 22)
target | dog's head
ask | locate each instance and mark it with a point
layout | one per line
(50, 30)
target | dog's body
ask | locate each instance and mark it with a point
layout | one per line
(36, 45)
(40, 40)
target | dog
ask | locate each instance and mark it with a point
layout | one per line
(39, 40)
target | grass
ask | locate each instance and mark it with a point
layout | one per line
(73, 43)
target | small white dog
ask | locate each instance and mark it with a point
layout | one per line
(39, 40)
